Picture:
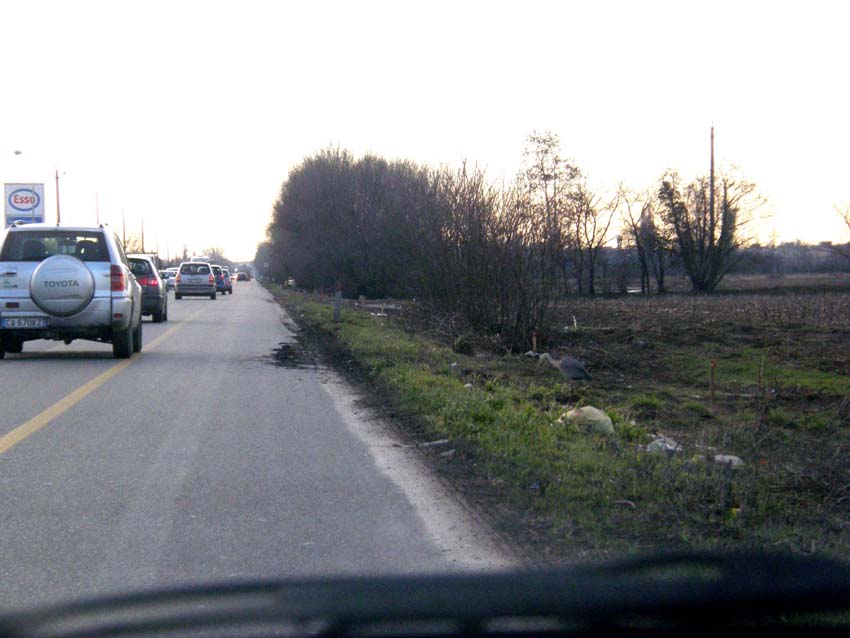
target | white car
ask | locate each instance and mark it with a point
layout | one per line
(195, 278)
(169, 275)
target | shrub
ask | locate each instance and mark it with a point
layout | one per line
(463, 345)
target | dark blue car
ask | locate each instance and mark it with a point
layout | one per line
(219, 278)
(228, 281)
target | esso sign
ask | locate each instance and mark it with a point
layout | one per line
(24, 199)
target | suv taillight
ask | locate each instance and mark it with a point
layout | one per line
(212, 279)
(177, 278)
(117, 279)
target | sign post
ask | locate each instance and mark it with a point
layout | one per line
(25, 203)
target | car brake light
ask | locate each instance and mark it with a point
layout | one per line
(212, 279)
(117, 279)
(177, 278)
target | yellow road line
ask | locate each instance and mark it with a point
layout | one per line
(32, 426)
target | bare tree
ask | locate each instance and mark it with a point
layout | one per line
(488, 257)
(530, 276)
(133, 244)
(549, 176)
(354, 221)
(217, 256)
(546, 185)
(708, 219)
(572, 221)
(588, 221)
(636, 207)
(659, 241)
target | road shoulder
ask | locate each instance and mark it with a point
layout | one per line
(466, 515)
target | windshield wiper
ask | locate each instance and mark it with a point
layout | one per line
(697, 592)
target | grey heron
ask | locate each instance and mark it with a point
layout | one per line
(571, 368)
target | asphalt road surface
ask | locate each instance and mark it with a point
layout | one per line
(202, 460)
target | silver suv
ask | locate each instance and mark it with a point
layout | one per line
(67, 283)
(195, 278)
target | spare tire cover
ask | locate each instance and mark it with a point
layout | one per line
(62, 285)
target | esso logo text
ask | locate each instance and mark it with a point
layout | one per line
(24, 199)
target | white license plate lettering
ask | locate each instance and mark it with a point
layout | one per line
(23, 322)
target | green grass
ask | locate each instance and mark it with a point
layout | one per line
(740, 368)
(602, 494)
(647, 406)
(697, 409)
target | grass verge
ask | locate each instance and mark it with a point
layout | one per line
(588, 495)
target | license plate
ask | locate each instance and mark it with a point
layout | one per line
(23, 322)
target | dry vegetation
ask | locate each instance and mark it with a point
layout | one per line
(780, 402)
(775, 283)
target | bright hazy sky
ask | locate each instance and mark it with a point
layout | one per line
(191, 114)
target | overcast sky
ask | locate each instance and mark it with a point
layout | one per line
(191, 114)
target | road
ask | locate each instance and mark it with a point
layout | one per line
(201, 460)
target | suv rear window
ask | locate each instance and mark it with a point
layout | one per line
(41, 244)
(195, 269)
(140, 266)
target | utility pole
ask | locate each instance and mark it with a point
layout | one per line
(143, 235)
(58, 218)
(711, 181)
(97, 207)
(123, 229)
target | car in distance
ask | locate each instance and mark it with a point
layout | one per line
(242, 276)
(65, 283)
(219, 278)
(154, 292)
(195, 278)
(228, 281)
(168, 276)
